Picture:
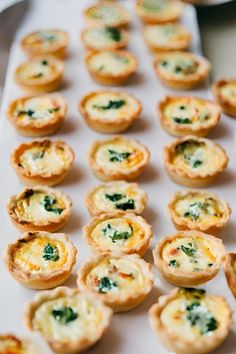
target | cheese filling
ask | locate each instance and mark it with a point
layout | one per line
(194, 314)
(107, 14)
(69, 318)
(190, 254)
(111, 106)
(160, 8)
(110, 63)
(197, 157)
(37, 205)
(118, 233)
(165, 35)
(228, 91)
(178, 65)
(37, 69)
(99, 37)
(40, 255)
(116, 276)
(44, 39)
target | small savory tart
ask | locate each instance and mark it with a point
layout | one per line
(42, 161)
(159, 11)
(184, 115)
(111, 67)
(230, 271)
(107, 14)
(122, 281)
(181, 70)
(198, 210)
(69, 320)
(40, 74)
(118, 158)
(10, 344)
(41, 260)
(115, 196)
(104, 38)
(39, 209)
(225, 94)
(191, 321)
(119, 232)
(189, 258)
(49, 41)
(108, 111)
(37, 116)
(194, 162)
(167, 37)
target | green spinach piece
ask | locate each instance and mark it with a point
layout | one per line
(118, 156)
(113, 33)
(189, 249)
(48, 202)
(117, 235)
(64, 315)
(106, 284)
(114, 197)
(130, 204)
(182, 120)
(50, 253)
(195, 210)
(200, 316)
(173, 263)
(111, 105)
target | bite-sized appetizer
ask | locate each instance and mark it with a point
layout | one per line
(69, 320)
(116, 196)
(37, 116)
(119, 232)
(194, 162)
(159, 11)
(40, 74)
(41, 260)
(39, 209)
(184, 115)
(111, 67)
(104, 38)
(109, 111)
(10, 344)
(181, 70)
(198, 210)
(118, 158)
(191, 321)
(167, 37)
(225, 94)
(230, 271)
(42, 161)
(122, 281)
(108, 14)
(189, 258)
(47, 41)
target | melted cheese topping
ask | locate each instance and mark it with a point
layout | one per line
(190, 111)
(159, 8)
(189, 254)
(123, 107)
(174, 315)
(199, 209)
(41, 159)
(86, 325)
(118, 156)
(228, 91)
(118, 234)
(41, 109)
(33, 208)
(125, 275)
(45, 39)
(106, 14)
(106, 62)
(30, 255)
(11, 345)
(166, 35)
(196, 157)
(178, 64)
(36, 69)
(99, 37)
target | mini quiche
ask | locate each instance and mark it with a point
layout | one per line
(37, 116)
(40, 74)
(69, 320)
(159, 11)
(181, 70)
(107, 14)
(118, 232)
(39, 209)
(41, 260)
(111, 67)
(49, 41)
(184, 115)
(104, 38)
(10, 344)
(42, 161)
(230, 271)
(167, 37)
(225, 94)
(191, 321)
(118, 158)
(194, 162)
(198, 210)
(189, 258)
(122, 281)
(108, 111)
(116, 196)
